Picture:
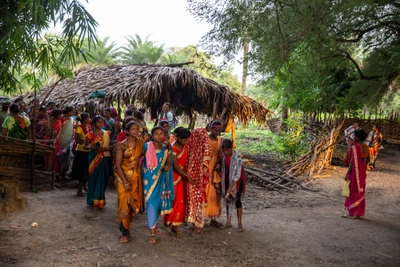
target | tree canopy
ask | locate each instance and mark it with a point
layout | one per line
(322, 49)
(23, 43)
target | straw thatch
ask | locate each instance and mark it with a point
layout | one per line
(151, 86)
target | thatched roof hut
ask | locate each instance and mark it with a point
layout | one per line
(152, 85)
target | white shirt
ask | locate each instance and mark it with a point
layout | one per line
(349, 132)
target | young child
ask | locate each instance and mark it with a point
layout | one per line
(233, 182)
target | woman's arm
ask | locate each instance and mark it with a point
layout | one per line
(346, 176)
(181, 172)
(118, 164)
(28, 130)
(167, 165)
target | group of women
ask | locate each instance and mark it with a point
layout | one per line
(180, 181)
(362, 155)
(181, 178)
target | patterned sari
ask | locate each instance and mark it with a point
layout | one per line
(199, 156)
(130, 203)
(233, 173)
(16, 129)
(355, 203)
(177, 216)
(158, 187)
(98, 170)
(374, 141)
(213, 208)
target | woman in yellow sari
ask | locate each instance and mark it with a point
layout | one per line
(213, 189)
(128, 179)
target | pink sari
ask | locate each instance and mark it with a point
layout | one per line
(355, 204)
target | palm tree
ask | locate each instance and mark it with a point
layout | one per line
(99, 54)
(139, 51)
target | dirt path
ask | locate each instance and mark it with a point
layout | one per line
(282, 229)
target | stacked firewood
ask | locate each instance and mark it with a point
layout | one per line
(321, 151)
(274, 179)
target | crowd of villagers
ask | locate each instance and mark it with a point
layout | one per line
(362, 152)
(184, 176)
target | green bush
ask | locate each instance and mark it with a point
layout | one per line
(289, 145)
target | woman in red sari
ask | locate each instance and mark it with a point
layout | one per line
(199, 157)
(179, 151)
(357, 174)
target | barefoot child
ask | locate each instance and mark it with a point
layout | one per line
(234, 182)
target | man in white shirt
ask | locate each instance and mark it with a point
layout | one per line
(349, 133)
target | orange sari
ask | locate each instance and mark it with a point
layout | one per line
(213, 208)
(130, 203)
(177, 216)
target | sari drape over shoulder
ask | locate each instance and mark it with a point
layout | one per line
(374, 141)
(199, 156)
(132, 202)
(177, 216)
(232, 172)
(158, 187)
(213, 208)
(355, 203)
(98, 170)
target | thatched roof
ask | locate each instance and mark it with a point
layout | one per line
(152, 85)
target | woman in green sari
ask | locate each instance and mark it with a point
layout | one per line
(98, 142)
(15, 125)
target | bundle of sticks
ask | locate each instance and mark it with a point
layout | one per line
(274, 179)
(321, 151)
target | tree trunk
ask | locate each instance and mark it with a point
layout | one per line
(246, 46)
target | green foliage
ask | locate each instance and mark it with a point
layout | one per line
(101, 53)
(139, 51)
(288, 145)
(21, 43)
(293, 142)
(254, 139)
(300, 47)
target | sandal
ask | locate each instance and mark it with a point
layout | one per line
(125, 232)
(152, 239)
(124, 239)
(240, 229)
(215, 224)
(157, 231)
(177, 232)
(197, 230)
(346, 216)
(225, 226)
(168, 226)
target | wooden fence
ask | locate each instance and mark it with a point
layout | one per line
(22, 163)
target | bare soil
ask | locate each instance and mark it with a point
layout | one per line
(282, 229)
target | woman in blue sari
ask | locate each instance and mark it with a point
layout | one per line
(158, 181)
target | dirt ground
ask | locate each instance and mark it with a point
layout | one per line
(282, 229)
